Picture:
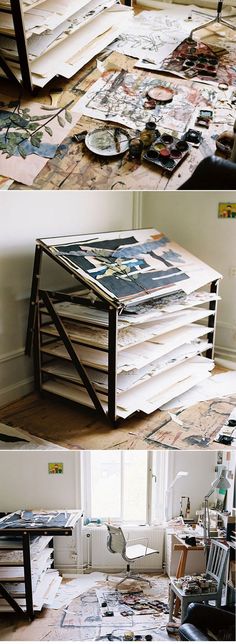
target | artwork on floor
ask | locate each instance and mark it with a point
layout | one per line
(144, 612)
(227, 210)
(193, 432)
(120, 97)
(30, 134)
(125, 266)
(14, 438)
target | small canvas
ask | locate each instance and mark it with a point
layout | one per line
(227, 210)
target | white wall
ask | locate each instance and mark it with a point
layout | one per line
(201, 468)
(26, 216)
(191, 220)
(26, 484)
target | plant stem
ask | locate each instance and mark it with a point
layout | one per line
(26, 138)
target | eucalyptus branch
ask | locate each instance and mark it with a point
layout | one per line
(41, 126)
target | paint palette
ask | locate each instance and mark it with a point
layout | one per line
(192, 59)
(166, 152)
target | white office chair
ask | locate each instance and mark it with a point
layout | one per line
(117, 543)
(216, 568)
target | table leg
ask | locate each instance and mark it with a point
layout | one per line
(180, 573)
(27, 573)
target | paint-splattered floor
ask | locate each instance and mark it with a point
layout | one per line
(80, 621)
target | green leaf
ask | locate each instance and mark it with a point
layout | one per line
(68, 116)
(39, 118)
(18, 120)
(61, 121)
(35, 141)
(48, 130)
(22, 151)
(32, 126)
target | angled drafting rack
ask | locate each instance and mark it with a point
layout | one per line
(12, 526)
(135, 330)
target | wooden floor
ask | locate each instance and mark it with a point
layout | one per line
(57, 625)
(75, 427)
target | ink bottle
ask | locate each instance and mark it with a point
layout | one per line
(148, 135)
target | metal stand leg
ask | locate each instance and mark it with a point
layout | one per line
(112, 363)
(212, 319)
(18, 20)
(33, 300)
(27, 573)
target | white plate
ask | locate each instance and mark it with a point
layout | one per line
(102, 141)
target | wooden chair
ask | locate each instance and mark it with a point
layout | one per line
(117, 543)
(216, 568)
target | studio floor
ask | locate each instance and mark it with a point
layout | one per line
(74, 427)
(63, 624)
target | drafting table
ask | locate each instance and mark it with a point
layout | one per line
(11, 526)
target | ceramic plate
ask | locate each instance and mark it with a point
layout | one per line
(107, 142)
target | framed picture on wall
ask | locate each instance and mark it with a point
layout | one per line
(227, 210)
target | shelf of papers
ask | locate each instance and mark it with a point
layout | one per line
(45, 580)
(28, 580)
(122, 355)
(42, 39)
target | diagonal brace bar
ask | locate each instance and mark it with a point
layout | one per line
(8, 597)
(69, 346)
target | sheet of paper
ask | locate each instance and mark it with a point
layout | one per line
(83, 56)
(218, 386)
(65, 56)
(153, 35)
(126, 380)
(150, 393)
(132, 357)
(68, 591)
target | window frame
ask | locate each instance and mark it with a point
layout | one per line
(155, 475)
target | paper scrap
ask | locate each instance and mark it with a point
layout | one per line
(218, 386)
(72, 589)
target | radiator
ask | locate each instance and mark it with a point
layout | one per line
(97, 555)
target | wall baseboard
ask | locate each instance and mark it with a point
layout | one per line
(12, 355)
(17, 390)
(226, 354)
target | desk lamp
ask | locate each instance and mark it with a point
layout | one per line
(220, 483)
(218, 20)
(178, 476)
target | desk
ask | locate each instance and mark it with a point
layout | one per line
(184, 549)
(26, 532)
(75, 168)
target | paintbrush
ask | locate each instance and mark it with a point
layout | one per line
(116, 138)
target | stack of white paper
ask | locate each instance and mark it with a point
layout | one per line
(60, 37)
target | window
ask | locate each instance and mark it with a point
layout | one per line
(123, 486)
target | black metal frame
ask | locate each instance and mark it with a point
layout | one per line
(18, 20)
(25, 534)
(44, 299)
